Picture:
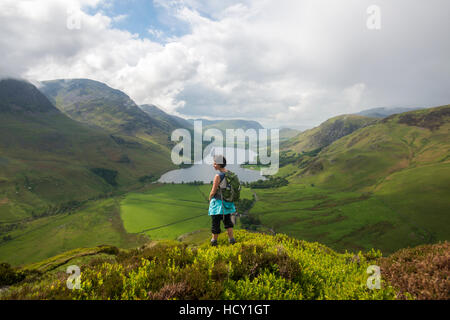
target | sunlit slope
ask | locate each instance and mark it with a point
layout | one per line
(369, 156)
(383, 186)
(325, 134)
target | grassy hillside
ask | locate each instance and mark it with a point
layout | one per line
(328, 132)
(384, 186)
(98, 105)
(370, 155)
(95, 224)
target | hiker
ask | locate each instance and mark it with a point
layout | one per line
(220, 209)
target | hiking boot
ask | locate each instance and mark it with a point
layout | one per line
(232, 241)
(214, 243)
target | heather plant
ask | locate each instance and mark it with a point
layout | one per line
(421, 273)
(257, 267)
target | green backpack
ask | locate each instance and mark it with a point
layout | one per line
(230, 187)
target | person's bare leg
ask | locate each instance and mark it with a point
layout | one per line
(215, 236)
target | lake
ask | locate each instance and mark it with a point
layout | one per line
(205, 171)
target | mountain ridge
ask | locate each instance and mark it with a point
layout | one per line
(383, 112)
(326, 133)
(99, 105)
(21, 96)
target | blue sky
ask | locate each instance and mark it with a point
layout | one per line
(142, 15)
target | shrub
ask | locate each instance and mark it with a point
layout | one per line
(269, 183)
(8, 275)
(422, 272)
(257, 267)
(266, 286)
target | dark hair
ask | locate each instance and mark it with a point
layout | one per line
(220, 160)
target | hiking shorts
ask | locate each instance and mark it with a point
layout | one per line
(215, 225)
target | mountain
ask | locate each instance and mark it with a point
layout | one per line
(20, 97)
(383, 186)
(384, 112)
(98, 105)
(288, 133)
(412, 140)
(172, 122)
(326, 133)
(48, 159)
(400, 167)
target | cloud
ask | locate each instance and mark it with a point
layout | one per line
(120, 18)
(290, 63)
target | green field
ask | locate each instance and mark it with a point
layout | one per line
(169, 211)
(165, 212)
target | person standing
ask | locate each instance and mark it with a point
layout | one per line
(219, 209)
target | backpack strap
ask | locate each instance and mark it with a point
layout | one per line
(223, 182)
(222, 185)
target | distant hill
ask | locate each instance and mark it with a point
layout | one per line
(326, 133)
(48, 160)
(20, 97)
(97, 104)
(411, 139)
(384, 112)
(288, 133)
(171, 121)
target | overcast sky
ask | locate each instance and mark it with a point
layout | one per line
(291, 63)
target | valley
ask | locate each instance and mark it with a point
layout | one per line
(353, 183)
